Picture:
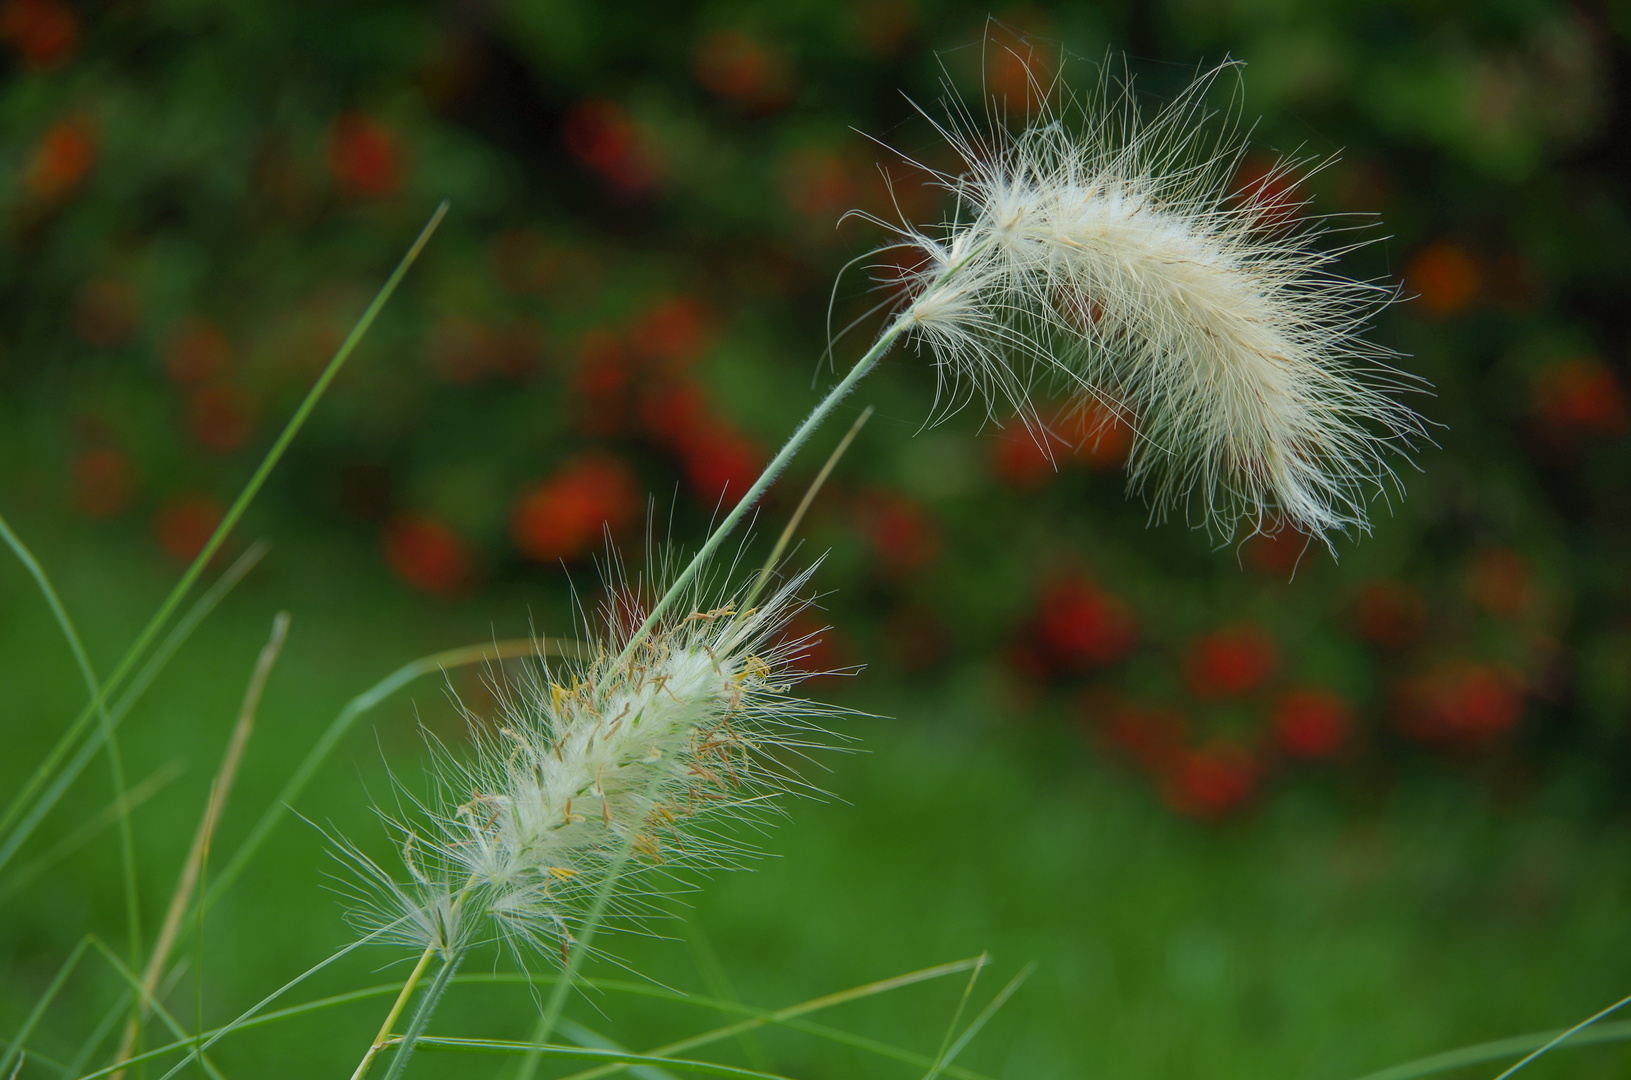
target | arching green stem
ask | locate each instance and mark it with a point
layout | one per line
(816, 418)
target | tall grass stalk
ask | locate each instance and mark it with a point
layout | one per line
(229, 520)
(220, 791)
(98, 702)
(156, 663)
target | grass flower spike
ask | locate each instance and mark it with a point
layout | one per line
(592, 764)
(1115, 255)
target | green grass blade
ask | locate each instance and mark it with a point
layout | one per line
(956, 1018)
(788, 1016)
(153, 1003)
(1498, 1049)
(196, 1048)
(596, 1041)
(810, 493)
(950, 1054)
(702, 950)
(64, 623)
(149, 786)
(421, 1017)
(98, 703)
(99, 1034)
(497, 1046)
(318, 754)
(20, 1040)
(584, 1053)
(579, 950)
(150, 670)
(234, 512)
(1581, 1026)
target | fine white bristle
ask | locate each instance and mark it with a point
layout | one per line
(1112, 255)
(596, 768)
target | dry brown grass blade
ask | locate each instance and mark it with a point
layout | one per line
(220, 788)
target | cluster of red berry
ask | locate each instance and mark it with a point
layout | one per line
(1245, 712)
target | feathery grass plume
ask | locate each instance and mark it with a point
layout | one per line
(1112, 253)
(591, 763)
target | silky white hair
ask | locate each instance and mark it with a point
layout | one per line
(621, 756)
(1109, 253)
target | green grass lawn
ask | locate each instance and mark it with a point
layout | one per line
(1324, 934)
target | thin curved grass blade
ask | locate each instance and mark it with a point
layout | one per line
(447, 1044)
(594, 1040)
(98, 704)
(99, 1034)
(354, 709)
(153, 1004)
(15, 1049)
(949, 1054)
(197, 1047)
(229, 520)
(1575, 1030)
(128, 700)
(789, 1017)
(140, 792)
(1499, 1049)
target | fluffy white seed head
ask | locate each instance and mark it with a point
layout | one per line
(595, 765)
(1110, 254)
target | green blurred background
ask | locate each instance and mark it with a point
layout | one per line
(1253, 811)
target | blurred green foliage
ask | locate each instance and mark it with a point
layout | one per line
(630, 302)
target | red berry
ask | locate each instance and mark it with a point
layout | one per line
(600, 134)
(45, 32)
(1391, 615)
(364, 158)
(721, 463)
(1458, 705)
(568, 513)
(184, 524)
(104, 483)
(1231, 662)
(1579, 396)
(1154, 737)
(672, 333)
(742, 69)
(903, 537)
(1078, 626)
(1210, 782)
(427, 554)
(196, 351)
(1445, 277)
(221, 418)
(1502, 583)
(62, 159)
(1311, 723)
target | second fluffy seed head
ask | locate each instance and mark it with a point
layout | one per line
(590, 766)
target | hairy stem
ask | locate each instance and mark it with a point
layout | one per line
(383, 1039)
(421, 1016)
(792, 526)
(817, 417)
